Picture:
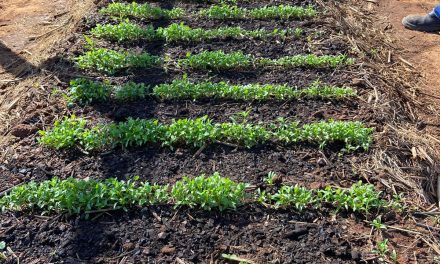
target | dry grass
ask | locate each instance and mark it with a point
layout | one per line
(405, 159)
(31, 74)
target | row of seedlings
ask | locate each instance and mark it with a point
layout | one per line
(72, 131)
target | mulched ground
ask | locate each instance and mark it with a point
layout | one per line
(165, 235)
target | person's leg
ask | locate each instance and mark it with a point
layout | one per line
(427, 23)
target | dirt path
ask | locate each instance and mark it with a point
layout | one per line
(29, 31)
(23, 28)
(422, 50)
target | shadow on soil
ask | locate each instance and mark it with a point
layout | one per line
(14, 63)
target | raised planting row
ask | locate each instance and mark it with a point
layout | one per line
(127, 32)
(111, 61)
(75, 196)
(72, 131)
(223, 12)
(218, 60)
(86, 91)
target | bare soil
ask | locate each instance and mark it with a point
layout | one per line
(422, 51)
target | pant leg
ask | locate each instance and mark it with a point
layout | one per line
(436, 11)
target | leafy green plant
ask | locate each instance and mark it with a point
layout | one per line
(201, 131)
(71, 131)
(77, 196)
(219, 60)
(309, 60)
(111, 61)
(130, 91)
(181, 32)
(133, 132)
(146, 11)
(381, 248)
(184, 89)
(195, 132)
(393, 256)
(128, 32)
(360, 197)
(354, 134)
(2, 247)
(269, 179)
(222, 11)
(377, 224)
(86, 91)
(74, 196)
(248, 135)
(262, 197)
(285, 12)
(398, 202)
(124, 31)
(296, 196)
(214, 192)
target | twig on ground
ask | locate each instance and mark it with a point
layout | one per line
(122, 255)
(406, 62)
(427, 213)
(227, 144)
(430, 228)
(237, 258)
(404, 230)
(432, 245)
(200, 150)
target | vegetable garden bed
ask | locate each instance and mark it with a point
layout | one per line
(265, 96)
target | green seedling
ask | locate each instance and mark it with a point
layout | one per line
(269, 179)
(214, 192)
(296, 196)
(393, 256)
(359, 198)
(77, 196)
(198, 132)
(2, 247)
(111, 61)
(129, 32)
(146, 11)
(236, 258)
(223, 11)
(124, 32)
(85, 91)
(285, 12)
(377, 224)
(382, 248)
(74, 196)
(220, 61)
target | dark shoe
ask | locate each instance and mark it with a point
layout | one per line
(428, 23)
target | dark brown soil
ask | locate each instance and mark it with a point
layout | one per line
(298, 164)
(167, 235)
(162, 234)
